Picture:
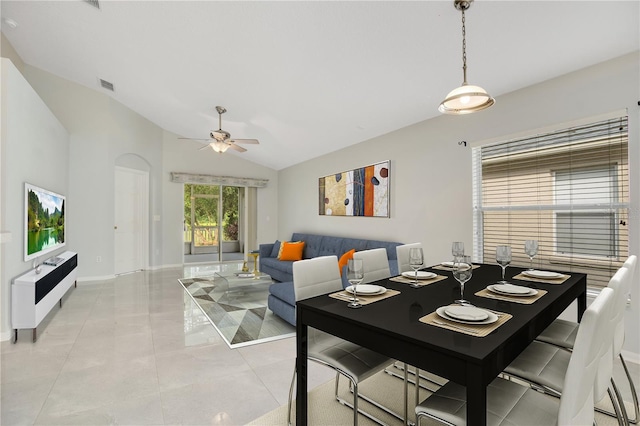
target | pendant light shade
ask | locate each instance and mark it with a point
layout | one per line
(466, 98)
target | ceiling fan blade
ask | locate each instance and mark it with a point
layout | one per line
(247, 141)
(236, 147)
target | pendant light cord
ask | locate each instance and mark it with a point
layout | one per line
(464, 49)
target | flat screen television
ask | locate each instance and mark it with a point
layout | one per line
(44, 222)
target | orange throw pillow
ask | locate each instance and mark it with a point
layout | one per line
(291, 250)
(344, 259)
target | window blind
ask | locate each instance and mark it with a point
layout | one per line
(568, 189)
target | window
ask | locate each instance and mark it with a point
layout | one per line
(568, 189)
(593, 231)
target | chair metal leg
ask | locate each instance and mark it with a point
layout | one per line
(355, 403)
(634, 394)
(616, 408)
(634, 397)
(390, 371)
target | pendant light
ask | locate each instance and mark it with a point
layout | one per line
(466, 98)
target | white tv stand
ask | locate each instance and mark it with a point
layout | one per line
(34, 295)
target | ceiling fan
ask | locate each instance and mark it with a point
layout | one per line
(220, 140)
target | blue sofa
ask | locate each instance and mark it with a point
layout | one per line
(281, 295)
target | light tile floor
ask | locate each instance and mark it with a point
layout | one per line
(137, 351)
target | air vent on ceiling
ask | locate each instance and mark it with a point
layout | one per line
(107, 85)
(93, 3)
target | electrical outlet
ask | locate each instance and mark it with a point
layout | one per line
(98, 259)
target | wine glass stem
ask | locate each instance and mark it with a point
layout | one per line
(503, 269)
(461, 291)
(531, 263)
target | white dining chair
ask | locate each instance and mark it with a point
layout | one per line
(618, 338)
(402, 253)
(375, 263)
(314, 277)
(562, 333)
(509, 403)
(543, 365)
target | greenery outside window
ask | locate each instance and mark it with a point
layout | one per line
(207, 218)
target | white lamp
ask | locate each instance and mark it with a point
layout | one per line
(466, 98)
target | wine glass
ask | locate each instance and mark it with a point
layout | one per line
(462, 271)
(457, 249)
(531, 249)
(503, 257)
(355, 275)
(416, 261)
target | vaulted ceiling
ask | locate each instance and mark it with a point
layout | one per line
(308, 78)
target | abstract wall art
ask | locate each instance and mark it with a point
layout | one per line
(360, 192)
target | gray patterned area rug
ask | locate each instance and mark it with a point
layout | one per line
(239, 314)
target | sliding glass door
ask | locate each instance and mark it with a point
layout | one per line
(212, 222)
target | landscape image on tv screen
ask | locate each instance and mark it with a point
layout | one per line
(45, 221)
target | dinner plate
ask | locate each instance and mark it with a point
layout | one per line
(369, 289)
(509, 290)
(422, 275)
(542, 274)
(447, 264)
(466, 313)
(491, 317)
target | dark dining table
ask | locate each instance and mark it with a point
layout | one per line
(392, 327)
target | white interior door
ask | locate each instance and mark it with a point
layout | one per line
(131, 220)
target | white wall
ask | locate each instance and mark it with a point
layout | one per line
(102, 130)
(431, 173)
(35, 149)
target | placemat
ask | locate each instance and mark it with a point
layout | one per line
(449, 268)
(364, 299)
(559, 280)
(405, 280)
(479, 330)
(515, 299)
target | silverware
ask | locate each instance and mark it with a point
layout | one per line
(468, 330)
(343, 296)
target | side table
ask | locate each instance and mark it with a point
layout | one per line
(255, 255)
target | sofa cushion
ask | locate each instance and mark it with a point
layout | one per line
(352, 243)
(331, 246)
(312, 246)
(284, 291)
(276, 249)
(279, 265)
(291, 250)
(344, 259)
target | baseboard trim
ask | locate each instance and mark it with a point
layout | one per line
(158, 267)
(95, 278)
(5, 335)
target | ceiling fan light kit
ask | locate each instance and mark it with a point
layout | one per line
(219, 146)
(222, 139)
(466, 98)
